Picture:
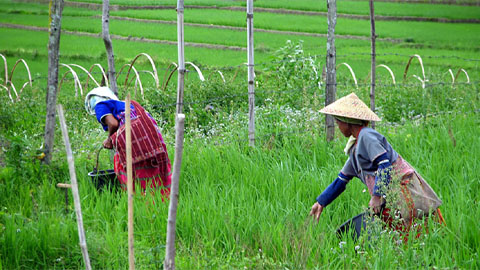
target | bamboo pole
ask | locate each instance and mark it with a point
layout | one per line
(251, 75)
(331, 81)
(56, 8)
(74, 186)
(180, 120)
(181, 56)
(128, 137)
(169, 263)
(372, 87)
(65, 188)
(109, 46)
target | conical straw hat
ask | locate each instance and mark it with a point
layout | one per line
(352, 107)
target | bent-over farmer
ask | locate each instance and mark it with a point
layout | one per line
(151, 165)
(372, 159)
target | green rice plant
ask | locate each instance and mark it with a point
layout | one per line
(346, 7)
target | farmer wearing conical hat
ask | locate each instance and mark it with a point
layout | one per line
(373, 160)
(151, 165)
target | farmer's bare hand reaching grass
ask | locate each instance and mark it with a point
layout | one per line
(376, 204)
(316, 211)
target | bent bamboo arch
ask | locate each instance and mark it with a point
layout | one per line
(76, 81)
(351, 72)
(17, 93)
(154, 74)
(137, 78)
(219, 73)
(389, 71)
(5, 66)
(26, 67)
(199, 72)
(454, 78)
(165, 79)
(466, 75)
(8, 79)
(104, 75)
(89, 75)
(422, 80)
(14, 90)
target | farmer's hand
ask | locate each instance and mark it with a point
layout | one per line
(376, 204)
(316, 211)
(108, 143)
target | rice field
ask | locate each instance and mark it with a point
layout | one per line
(242, 207)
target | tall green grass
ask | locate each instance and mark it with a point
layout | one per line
(239, 207)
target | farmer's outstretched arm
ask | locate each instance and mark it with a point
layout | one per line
(334, 189)
(329, 194)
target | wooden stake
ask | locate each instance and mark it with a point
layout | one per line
(128, 137)
(181, 57)
(109, 46)
(331, 81)
(74, 185)
(65, 188)
(372, 88)
(169, 263)
(251, 75)
(52, 81)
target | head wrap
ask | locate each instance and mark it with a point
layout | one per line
(350, 120)
(350, 107)
(97, 95)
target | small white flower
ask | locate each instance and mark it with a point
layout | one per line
(341, 244)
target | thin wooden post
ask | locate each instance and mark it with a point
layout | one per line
(65, 188)
(128, 138)
(109, 46)
(251, 75)
(56, 8)
(181, 56)
(169, 263)
(331, 81)
(372, 87)
(74, 186)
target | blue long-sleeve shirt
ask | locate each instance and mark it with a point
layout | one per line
(336, 188)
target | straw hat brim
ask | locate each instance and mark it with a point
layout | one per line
(352, 107)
